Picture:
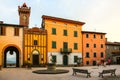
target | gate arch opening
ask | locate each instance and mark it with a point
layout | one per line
(14, 52)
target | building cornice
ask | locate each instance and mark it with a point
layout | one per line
(62, 20)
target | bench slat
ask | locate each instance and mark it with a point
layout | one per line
(81, 71)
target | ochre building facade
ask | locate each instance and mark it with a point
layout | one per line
(64, 39)
(11, 41)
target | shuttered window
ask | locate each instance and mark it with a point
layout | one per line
(16, 31)
(2, 30)
(53, 44)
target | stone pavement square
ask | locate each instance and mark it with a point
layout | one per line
(25, 74)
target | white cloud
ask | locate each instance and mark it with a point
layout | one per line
(102, 15)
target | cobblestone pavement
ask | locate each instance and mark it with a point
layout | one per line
(25, 74)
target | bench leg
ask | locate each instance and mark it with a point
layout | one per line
(88, 75)
(74, 73)
(100, 75)
(113, 74)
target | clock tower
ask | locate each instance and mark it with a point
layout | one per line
(24, 14)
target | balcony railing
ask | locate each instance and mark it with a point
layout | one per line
(65, 50)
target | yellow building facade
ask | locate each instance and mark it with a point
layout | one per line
(35, 46)
(64, 39)
(11, 42)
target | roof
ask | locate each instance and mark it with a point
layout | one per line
(93, 32)
(24, 5)
(35, 30)
(113, 43)
(13, 25)
(62, 19)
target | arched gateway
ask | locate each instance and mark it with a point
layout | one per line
(11, 50)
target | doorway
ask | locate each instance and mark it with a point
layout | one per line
(35, 57)
(118, 60)
(94, 63)
(35, 60)
(65, 60)
(11, 57)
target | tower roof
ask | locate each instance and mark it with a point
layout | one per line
(24, 5)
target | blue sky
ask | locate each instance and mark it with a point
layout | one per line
(99, 15)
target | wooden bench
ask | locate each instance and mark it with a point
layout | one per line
(112, 71)
(84, 71)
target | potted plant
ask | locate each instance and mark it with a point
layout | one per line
(27, 65)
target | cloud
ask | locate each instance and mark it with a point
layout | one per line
(99, 15)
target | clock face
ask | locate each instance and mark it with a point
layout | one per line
(24, 17)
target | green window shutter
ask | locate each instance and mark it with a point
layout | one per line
(65, 32)
(75, 34)
(75, 46)
(54, 58)
(75, 59)
(35, 42)
(54, 31)
(65, 45)
(53, 44)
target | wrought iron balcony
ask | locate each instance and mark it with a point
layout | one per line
(65, 50)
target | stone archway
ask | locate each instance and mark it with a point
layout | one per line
(11, 50)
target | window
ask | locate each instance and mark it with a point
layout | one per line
(2, 30)
(35, 42)
(65, 33)
(87, 45)
(53, 22)
(87, 35)
(54, 31)
(54, 58)
(94, 36)
(75, 59)
(94, 45)
(94, 54)
(75, 34)
(16, 31)
(87, 55)
(87, 62)
(65, 45)
(101, 36)
(101, 45)
(102, 55)
(75, 46)
(53, 44)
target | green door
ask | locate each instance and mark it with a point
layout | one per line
(65, 60)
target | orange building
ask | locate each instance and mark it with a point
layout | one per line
(93, 47)
(11, 43)
(64, 39)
